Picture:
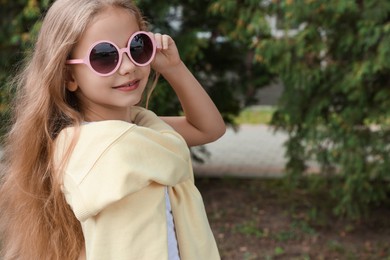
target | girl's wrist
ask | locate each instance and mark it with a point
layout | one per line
(173, 71)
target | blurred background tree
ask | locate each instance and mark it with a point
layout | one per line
(334, 60)
(223, 65)
(18, 23)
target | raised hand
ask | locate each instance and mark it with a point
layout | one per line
(167, 55)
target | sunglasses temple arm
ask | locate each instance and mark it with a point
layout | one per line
(75, 61)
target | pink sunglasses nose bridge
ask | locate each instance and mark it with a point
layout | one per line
(122, 51)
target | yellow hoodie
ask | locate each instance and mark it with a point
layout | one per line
(114, 181)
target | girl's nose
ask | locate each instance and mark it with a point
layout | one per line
(126, 66)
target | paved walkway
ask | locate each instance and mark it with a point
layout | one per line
(252, 151)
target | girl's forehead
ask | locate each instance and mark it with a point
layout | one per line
(112, 24)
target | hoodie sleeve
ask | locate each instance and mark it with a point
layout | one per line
(100, 174)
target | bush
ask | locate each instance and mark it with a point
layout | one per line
(336, 72)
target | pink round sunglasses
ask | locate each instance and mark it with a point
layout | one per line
(104, 57)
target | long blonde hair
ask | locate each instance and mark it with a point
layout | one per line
(36, 222)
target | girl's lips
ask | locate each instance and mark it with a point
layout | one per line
(128, 86)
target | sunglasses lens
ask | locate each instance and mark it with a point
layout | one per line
(104, 57)
(141, 48)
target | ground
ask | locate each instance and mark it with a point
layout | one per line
(259, 219)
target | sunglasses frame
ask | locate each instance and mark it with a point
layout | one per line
(121, 51)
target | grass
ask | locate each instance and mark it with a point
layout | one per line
(264, 219)
(255, 115)
(249, 228)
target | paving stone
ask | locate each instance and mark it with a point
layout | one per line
(252, 151)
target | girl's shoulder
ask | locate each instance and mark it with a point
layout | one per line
(90, 139)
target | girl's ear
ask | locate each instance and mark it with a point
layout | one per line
(71, 84)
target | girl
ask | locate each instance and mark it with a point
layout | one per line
(88, 173)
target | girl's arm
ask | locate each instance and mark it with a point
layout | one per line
(202, 123)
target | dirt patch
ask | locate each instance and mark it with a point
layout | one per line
(259, 219)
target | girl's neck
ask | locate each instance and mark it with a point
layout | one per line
(107, 114)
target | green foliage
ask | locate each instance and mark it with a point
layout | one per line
(222, 64)
(18, 27)
(336, 72)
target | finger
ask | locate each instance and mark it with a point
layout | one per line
(158, 39)
(165, 42)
